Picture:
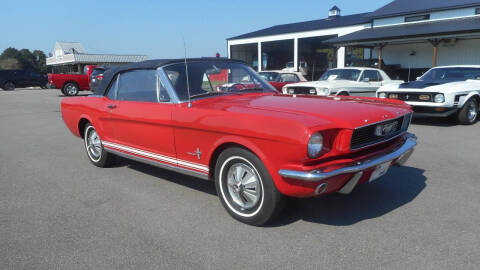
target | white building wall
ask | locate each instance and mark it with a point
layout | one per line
(437, 15)
(463, 52)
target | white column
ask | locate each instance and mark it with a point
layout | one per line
(295, 53)
(259, 56)
(341, 57)
(229, 53)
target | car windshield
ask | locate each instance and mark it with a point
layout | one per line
(269, 76)
(451, 74)
(341, 74)
(214, 78)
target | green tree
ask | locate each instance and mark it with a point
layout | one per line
(12, 58)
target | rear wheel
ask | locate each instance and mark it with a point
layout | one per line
(246, 188)
(94, 147)
(70, 89)
(9, 86)
(469, 112)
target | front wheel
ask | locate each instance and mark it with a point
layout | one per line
(9, 86)
(70, 89)
(469, 112)
(246, 188)
(94, 147)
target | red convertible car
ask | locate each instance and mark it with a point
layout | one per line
(256, 144)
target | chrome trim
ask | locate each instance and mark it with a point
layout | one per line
(351, 184)
(168, 85)
(160, 165)
(317, 175)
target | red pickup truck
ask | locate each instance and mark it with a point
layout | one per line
(71, 84)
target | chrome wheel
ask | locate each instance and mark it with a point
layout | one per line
(93, 144)
(472, 112)
(71, 89)
(243, 185)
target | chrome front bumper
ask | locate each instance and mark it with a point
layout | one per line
(402, 153)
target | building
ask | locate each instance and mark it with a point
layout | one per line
(71, 57)
(404, 37)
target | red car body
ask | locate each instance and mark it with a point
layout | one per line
(272, 126)
(191, 136)
(59, 81)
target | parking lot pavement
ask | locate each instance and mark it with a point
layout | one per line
(57, 211)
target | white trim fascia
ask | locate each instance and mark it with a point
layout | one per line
(425, 21)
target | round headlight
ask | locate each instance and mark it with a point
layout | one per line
(439, 98)
(382, 95)
(315, 145)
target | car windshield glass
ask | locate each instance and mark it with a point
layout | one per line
(341, 74)
(214, 78)
(451, 74)
(269, 76)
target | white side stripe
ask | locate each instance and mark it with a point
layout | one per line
(157, 156)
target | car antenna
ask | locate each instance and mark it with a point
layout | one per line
(186, 72)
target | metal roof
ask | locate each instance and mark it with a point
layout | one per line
(308, 26)
(403, 7)
(405, 31)
(108, 58)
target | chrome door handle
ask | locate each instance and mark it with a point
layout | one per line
(111, 106)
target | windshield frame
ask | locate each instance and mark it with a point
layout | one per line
(162, 72)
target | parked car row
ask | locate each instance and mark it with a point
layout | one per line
(218, 120)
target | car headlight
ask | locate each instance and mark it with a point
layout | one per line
(439, 98)
(323, 91)
(315, 145)
(382, 95)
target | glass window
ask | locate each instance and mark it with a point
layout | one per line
(214, 78)
(417, 18)
(451, 74)
(138, 85)
(289, 77)
(477, 11)
(269, 76)
(371, 76)
(112, 90)
(341, 74)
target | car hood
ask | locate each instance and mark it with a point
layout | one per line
(338, 112)
(429, 86)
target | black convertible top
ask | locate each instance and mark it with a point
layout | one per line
(151, 64)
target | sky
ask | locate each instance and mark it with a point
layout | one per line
(154, 28)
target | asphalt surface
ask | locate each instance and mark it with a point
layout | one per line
(57, 211)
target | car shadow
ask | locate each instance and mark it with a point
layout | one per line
(434, 121)
(205, 186)
(398, 187)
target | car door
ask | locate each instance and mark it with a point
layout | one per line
(140, 115)
(370, 81)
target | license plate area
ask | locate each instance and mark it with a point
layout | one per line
(380, 171)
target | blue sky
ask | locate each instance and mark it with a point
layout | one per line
(154, 28)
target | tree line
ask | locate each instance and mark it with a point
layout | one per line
(12, 58)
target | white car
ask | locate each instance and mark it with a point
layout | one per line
(441, 91)
(351, 81)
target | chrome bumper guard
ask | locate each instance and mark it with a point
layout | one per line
(402, 153)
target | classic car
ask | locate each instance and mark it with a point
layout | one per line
(279, 79)
(257, 145)
(441, 92)
(351, 81)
